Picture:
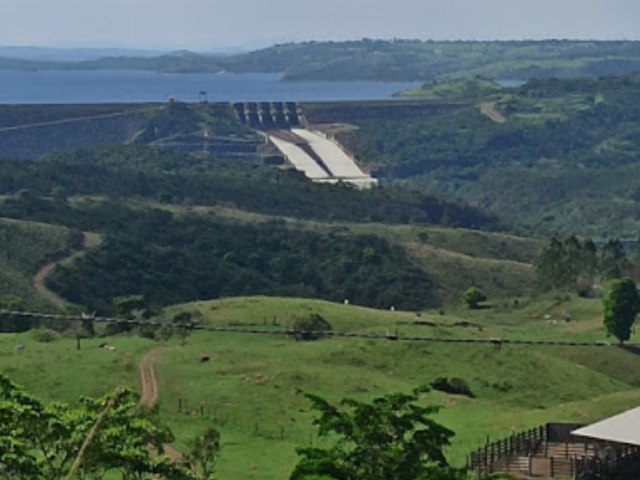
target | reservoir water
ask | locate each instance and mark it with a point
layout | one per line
(114, 86)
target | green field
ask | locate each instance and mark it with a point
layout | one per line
(251, 389)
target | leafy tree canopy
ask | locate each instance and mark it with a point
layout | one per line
(391, 438)
(107, 437)
(621, 304)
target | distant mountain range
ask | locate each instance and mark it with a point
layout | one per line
(380, 60)
(71, 54)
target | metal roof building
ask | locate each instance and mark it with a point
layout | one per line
(623, 428)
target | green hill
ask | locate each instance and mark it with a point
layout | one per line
(251, 387)
(402, 60)
(463, 88)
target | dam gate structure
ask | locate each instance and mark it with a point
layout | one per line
(320, 157)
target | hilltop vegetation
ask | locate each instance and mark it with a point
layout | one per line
(458, 89)
(395, 60)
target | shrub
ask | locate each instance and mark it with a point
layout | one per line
(455, 386)
(473, 296)
(305, 327)
(45, 335)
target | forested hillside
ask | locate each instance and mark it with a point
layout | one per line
(552, 154)
(176, 177)
(170, 254)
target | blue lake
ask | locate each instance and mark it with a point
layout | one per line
(110, 86)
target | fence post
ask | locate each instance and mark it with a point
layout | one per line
(486, 459)
(530, 465)
(546, 449)
(551, 467)
(572, 467)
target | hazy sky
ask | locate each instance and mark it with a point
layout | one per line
(216, 24)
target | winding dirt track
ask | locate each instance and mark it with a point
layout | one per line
(148, 380)
(149, 392)
(90, 241)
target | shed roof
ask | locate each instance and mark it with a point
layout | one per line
(622, 428)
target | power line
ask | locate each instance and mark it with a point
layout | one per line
(496, 342)
(76, 119)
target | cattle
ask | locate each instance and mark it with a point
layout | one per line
(21, 348)
(204, 358)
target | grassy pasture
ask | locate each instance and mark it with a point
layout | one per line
(251, 389)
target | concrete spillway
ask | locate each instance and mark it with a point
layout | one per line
(300, 159)
(321, 159)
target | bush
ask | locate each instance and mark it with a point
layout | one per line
(455, 386)
(164, 332)
(148, 331)
(45, 335)
(305, 327)
(473, 296)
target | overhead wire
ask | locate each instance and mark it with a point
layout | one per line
(292, 332)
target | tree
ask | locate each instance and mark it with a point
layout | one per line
(101, 438)
(589, 265)
(204, 454)
(547, 272)
(613, 260)
(621, 304)
(126, 305)
(309, 327)
(182, 321)
(473, 296)
(391, 438)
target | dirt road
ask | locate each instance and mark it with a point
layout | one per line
(489, 110)
(90, 241)
(148, 380)
(149, 391)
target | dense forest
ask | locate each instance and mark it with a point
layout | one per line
(191, 179)
(172, 260)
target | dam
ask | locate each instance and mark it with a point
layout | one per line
(261, 133)
(318, 156)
